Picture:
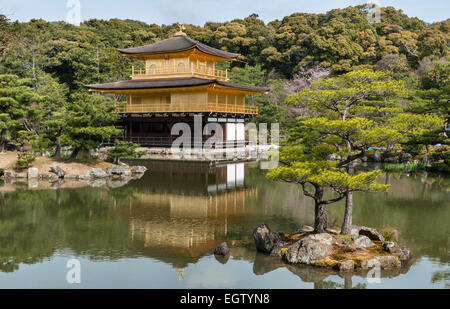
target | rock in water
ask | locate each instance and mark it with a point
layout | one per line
(57, 170)
(391, 247)
(384, 261)
(279, 245)
(406, 253)
(97, 173)
(347, 265)
(33, 173)
(222, 249)
(119, 170)
(362, 241)
(371, 233)
(10, 175)
(138, 169)
(264, 238)
(309, 249)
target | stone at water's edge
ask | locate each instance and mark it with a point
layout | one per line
(279, 245)
(33, 173)
(309, 249)
(97, 173)
(121, 170)
(222, 249)
(55, 169)
(21, 175)
(72, 176)
(347, 265)
(384, 261)
(264, 238)
(391, 247)
(406, 254)
(9, 175)
(138, 169)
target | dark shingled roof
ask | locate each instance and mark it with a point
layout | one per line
(170, 83)
(174, 44)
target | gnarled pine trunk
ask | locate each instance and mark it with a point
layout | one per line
(319, 218)
(2, 140)
(74, 154)
(348, 215)
(319, 211)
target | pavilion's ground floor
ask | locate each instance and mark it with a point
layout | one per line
(186, 130)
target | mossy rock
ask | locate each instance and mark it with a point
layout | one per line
(326, 262)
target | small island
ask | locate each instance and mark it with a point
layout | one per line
(364, 248)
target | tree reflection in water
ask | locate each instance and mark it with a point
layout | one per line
(178, 212)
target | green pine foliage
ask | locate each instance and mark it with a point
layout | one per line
(123, 150)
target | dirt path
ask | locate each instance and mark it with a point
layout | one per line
(79, 167)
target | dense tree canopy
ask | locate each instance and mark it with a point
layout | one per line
(287, 55)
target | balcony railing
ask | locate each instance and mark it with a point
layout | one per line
(186, 108)
(169, 71)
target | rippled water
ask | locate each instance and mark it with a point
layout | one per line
(159, 231)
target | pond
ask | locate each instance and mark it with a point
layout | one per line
(160, 231)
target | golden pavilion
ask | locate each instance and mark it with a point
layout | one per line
(179, 81)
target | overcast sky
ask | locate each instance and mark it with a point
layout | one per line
(199, 11)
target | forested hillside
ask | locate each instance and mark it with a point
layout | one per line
(57, 59)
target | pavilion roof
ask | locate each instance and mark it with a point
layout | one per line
(170, 83)
(177, 43)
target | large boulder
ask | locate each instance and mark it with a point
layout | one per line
(222, 249)
(361, 241)
(33, 173)
(57, 171)
(309, 249)
(119, 170)
(264, 238)
(371, 233)
(95, 173)
(138, 169)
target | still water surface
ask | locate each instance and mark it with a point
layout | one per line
(159, 231)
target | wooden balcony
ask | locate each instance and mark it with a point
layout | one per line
(174, 71)
(186, 108)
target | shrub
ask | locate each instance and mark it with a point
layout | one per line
(124, 150)
(390, 234)
(24, 160)
(2, 172)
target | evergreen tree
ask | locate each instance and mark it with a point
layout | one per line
(356, 111)
(19, 110)
(88, 120)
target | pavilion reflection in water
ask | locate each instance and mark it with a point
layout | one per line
(185, 209)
